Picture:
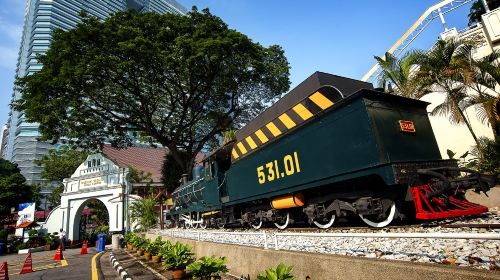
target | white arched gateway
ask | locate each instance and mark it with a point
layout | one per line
(96, 178)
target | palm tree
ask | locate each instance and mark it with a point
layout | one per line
(485, 79)
(142, 211)
(442, 69)
(396, 73)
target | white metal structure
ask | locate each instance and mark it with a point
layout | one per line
(433, 12)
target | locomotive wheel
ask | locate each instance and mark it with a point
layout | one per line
(325, 223)
(204, 223)
(257, 223)
(383, 219)
(285, 223)
(221, 222)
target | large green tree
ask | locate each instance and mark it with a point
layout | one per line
(61, 163)
(57, 165)
(177, 80)
(13, 188)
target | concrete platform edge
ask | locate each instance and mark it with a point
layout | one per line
(250, 261)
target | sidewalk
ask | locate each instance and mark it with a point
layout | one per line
(106, 270)
(135, 269)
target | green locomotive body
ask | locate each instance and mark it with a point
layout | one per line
(321, 153)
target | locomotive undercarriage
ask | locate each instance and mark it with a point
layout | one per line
(433, 196)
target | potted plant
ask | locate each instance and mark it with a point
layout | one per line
(154, 249)
(282, 272)
(208, 268)
(48, 242)
(139, 245)
(145, 247)
(164, 250)
(133, 241)
(128, 239)
(177, 258)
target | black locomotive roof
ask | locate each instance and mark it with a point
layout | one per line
(341, 85)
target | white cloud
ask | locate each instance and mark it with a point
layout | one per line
(8, 58)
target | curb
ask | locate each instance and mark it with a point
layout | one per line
(116, 265)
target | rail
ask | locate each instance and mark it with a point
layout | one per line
(275, 236)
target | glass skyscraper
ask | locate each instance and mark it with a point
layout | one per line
(41, 18)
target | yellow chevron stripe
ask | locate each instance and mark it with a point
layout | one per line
(250, 142)
(274, 130)
(235, 154)
(242, 148)
(262, 137)
(302, 111)
(320, 100)
(285, 119)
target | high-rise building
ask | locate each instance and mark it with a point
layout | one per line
(41, 18)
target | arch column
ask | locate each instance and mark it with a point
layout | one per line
(72, 206)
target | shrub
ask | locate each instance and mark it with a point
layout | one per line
(486, 156)
(282, 272)
(138, 242)
(155, 246)
(102, 229)
(208, 267)
(178, 256)
(128, 237)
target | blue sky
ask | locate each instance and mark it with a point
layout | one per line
(333, 36)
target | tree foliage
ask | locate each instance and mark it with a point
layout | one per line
(13, 188)
(54, 198)
(61, 163)
(477, 10)
(137, 175)
(143, 213)
(171, 172)
(451, 69)
(396, 74)
(99, 212)
(177, 80)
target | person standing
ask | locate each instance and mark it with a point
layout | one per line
(62, 237)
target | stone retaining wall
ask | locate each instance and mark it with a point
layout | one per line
(250, 261)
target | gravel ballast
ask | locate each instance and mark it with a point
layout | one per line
(481, 254)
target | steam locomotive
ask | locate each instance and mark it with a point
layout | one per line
(333, 147)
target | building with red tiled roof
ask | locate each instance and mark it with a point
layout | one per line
(147, 159)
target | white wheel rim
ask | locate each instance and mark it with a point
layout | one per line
(327, 225)
(203, 224)
(383, 223)
(285, 224)
(258, 225)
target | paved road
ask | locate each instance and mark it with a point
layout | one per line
(78, 266)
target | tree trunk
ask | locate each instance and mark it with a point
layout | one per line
(468, 126)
